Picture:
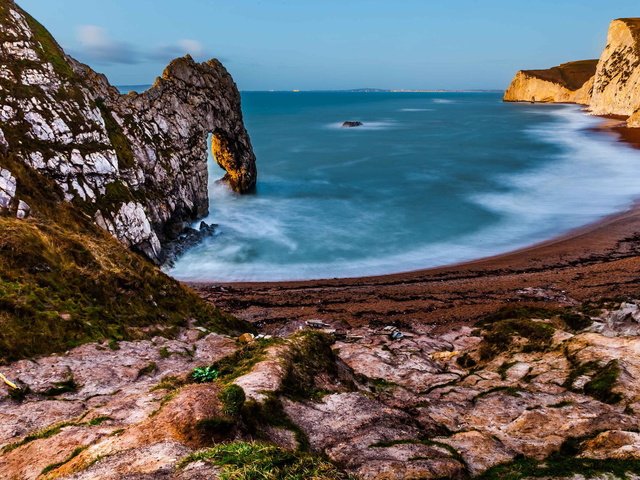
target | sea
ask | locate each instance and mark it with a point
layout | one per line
(429, 179)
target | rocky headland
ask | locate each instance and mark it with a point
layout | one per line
(518, 367)
(608, 86)
(136, 163)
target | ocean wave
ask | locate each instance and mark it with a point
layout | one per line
(287, 234)
(416, 110)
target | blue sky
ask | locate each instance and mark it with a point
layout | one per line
(333, 44)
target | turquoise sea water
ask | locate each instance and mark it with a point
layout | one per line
(430, 179)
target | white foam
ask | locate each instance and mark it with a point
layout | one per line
(443, 100)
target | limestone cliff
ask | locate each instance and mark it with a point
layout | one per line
(136, 163)
(609, 86)
(616, 88)
(567, 83)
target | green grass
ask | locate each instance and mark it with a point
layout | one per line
(603, 379)
(241, 361)
(55, 466)
(560, 468)
(232, 397)
(47, 432)
(49, 48)
(98, 420)
(59, 262)
(309, 355)
(170, 382)
(499, 337)
(601, 385)
(511, 391)
(576, 321)
(261, 461)
(118, 139)
(517, 312)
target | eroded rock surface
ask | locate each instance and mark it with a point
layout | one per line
(136, 163)
(514, 394)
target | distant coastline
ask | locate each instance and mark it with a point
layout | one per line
(141, 87)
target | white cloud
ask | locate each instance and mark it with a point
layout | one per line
(97, 46)
(192, 47)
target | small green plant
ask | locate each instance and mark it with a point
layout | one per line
(602, 383)
(164, 352)
(170, 382)
(603, 379)
(261, 461)
(232, 397)
(204, 374)
(54, 466)
(98, 420)
(113, 344)
(498, 337)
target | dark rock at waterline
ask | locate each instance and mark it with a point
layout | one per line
(350, 124)
(189, 238)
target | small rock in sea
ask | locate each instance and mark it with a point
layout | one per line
(351, 124)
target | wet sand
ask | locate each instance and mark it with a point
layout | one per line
(600, 260)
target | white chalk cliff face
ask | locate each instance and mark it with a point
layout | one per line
(616, 88)
(136, 163)
(612, 88)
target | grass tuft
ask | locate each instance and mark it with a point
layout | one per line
(261, 461)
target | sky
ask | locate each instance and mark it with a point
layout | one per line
(333, 44)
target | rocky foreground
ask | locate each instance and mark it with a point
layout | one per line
(525, 393)
(608, 86)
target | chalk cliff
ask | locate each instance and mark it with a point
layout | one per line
(609, 86)
(136, 163)
(616, 88)
(567, 83)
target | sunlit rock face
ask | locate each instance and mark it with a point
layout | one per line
(136, 163)
(567, 83)
(617, 84)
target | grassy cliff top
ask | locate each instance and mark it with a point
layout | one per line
(572, 75)
(64, 281)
